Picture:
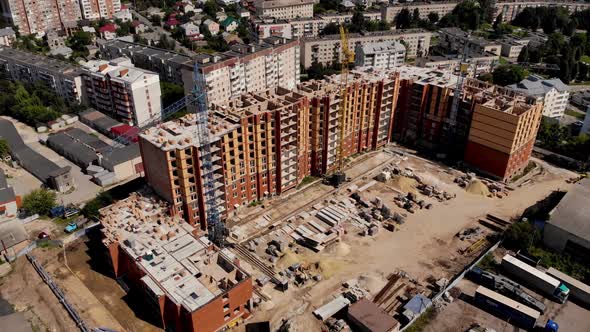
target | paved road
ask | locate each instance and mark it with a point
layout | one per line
(161, 31)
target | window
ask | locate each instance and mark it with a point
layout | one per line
(226, 307)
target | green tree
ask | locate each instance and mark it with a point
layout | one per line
(211, 8)
(524, 55)
(508, 74)
(330, 29)
(170, 93)
(39, 201)
(433, 17)
(166, 43)
(403, 20)
(521, 235)
(4, 148)
(90, 210)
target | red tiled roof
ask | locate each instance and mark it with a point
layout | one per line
(108, 27)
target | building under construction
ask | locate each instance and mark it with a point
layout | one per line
(187, 283)
(263, 144)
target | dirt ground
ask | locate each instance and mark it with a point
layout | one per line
(423, 247)
(25, 290)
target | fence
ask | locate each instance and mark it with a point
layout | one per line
(458, 277)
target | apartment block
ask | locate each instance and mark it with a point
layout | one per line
(61, 77)
(473, 65)
(326, 49)
(382, 55)
(389, 13)
(303, 27)
(39, 16)
(553, 93)
(509, 9)
(173, 163)
(164, 62)
(511, 47)
(97, 9)
(503, 131)
(129, 94)
(424, 106)
(186, 283)
(248, 68)
(284, 9)
(455, 40)
(259, 148)
(371, 104)
(273, 62)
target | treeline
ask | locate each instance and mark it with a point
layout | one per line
(470, 15)
(552, 19)
(553, 137)
(32, 104)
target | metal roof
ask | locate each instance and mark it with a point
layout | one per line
(30, 160)
(12, 232)
(121, 155)
(537, 86)
(571, 214)
(371, 317)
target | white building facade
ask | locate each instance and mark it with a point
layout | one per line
(382, 55)
(553, 92)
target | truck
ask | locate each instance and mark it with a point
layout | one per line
(516, 313)
(74, 225)
(536, 278)
(578, 290)
(506, 287)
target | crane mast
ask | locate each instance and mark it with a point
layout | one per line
(347, 57)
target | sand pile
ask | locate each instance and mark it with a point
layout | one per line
(404, 183)
(288, 259)
(327, 268)
(341, 249)
(478, 188)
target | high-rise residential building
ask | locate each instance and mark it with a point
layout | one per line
(476, 64)
(326, 49)
(284, 9)
(247, 68)
(381, 55)
(244, 68)
(552, 92)
(63, 78)
(39, 16)
(185, 282)
(259, 149)
(97, 9)
(389, 13)
(371, 102)
(503, 130)
(129, 94)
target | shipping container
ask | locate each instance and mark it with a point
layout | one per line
(515, 313)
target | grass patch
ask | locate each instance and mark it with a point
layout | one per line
(64, 221)
(254, 203)
(423, 321)
(503, 61)
(488, 263)
(561, 261)
(306, 180)
(575, 114)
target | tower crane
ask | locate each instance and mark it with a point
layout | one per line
(346, 57)
(198, 96)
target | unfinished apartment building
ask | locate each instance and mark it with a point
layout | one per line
(259, 148)
(173, 159)
(370, 105)
(503, 129)
(187, 283)
(266, 153)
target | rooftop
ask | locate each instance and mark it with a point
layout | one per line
(352, 36)
(39, 61)
(371, 317)
(571, 214)
(538, 86)
(383, 47)
(281, 3)
(176, 263)
(6, 192)
(120, 68)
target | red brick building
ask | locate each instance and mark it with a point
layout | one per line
(188, 283)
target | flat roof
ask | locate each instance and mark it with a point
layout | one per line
(12, 232)
(573, 211)
(177, 263)
(372, 317)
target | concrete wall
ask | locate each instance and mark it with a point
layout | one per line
(557, 238)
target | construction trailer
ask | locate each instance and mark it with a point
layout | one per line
(514, 312)
(536, 278)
